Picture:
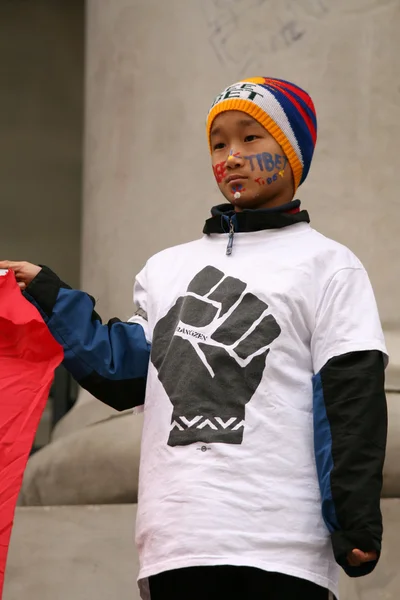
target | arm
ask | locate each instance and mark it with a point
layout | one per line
(110, 361)
(350, 416)
(350, 425)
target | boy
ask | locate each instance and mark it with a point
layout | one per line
(265, 384)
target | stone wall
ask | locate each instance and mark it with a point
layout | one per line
(41, 108)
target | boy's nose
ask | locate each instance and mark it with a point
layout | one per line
(235, 159)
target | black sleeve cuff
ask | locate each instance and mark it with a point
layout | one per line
(344, 542)
(44, 289)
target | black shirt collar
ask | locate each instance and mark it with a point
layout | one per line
(255, 220)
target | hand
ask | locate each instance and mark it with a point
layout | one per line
(356, 557)
(24, 271)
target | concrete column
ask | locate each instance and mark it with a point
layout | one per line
(152, 70)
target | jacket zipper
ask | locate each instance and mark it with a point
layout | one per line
(230, 237)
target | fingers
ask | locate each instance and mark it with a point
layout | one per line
(24, 271)
(5, 264)
(9, 264)
(358, 557)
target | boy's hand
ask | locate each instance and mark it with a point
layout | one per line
(24, 271)
(356, 557)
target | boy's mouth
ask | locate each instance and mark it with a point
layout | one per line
(236, 177)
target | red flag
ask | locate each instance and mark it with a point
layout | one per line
(29, 356)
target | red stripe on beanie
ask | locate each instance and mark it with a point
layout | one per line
(294, 88)
(281, 88)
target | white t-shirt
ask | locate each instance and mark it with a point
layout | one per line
(227, 473)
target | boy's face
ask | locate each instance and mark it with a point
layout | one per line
(249, 165)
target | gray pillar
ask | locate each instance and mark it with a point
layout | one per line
(152, 70)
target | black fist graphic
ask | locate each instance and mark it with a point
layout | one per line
(209, 351)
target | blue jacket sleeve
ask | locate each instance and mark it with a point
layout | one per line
(110, 361)
(350, 429)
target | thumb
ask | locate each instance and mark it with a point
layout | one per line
(363, 557)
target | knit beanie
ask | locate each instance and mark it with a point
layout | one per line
(285, 110)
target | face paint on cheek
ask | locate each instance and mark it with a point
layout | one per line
(280, 163)
(272, 179)
(220, 171)
(269, 162)
(268, 180)
(266, 161)
(281, 171)
(250, 159)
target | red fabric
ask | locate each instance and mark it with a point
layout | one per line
(28, 357)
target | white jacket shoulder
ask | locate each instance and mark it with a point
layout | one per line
(334, 255)
(174, 253)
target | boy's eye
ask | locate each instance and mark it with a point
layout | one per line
(250, 138)
(219, 146)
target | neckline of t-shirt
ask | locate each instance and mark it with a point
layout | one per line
(265, 234)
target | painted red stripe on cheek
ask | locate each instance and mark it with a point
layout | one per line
(220, 171)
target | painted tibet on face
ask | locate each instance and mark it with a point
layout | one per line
(249, 165)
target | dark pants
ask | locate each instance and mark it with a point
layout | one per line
(232, 583)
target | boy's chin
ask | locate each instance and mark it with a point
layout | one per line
(249, 201)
